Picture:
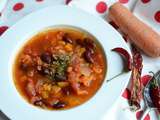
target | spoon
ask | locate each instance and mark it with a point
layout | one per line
(146, 95)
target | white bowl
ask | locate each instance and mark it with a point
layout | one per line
(3, 4)
(11, 102)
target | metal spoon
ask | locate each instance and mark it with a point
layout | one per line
(146, 95)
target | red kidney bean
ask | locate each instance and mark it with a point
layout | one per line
(88, 56)
(59, 105)
(24, 66)
(67, 39)
(46, 57)
(88, 43)
(67, 90)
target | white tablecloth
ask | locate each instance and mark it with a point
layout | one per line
(147, 10)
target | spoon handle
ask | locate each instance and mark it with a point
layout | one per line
(146, 111)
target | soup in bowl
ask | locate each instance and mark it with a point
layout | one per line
(59, 68)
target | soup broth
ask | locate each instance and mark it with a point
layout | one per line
(59, 68)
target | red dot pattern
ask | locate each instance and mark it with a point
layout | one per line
(157, 16)
(18, 6)
(3, 29)
(101, 7)
(147, 117)
(126, 94)
(123, 1)
(145, 79)
(145, 1)
(139, 114)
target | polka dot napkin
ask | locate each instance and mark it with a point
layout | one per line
(146, 10)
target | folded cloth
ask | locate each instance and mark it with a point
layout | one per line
(147, 10)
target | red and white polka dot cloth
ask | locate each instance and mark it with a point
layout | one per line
(147, 10)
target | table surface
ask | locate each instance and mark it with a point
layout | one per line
(13, 12)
